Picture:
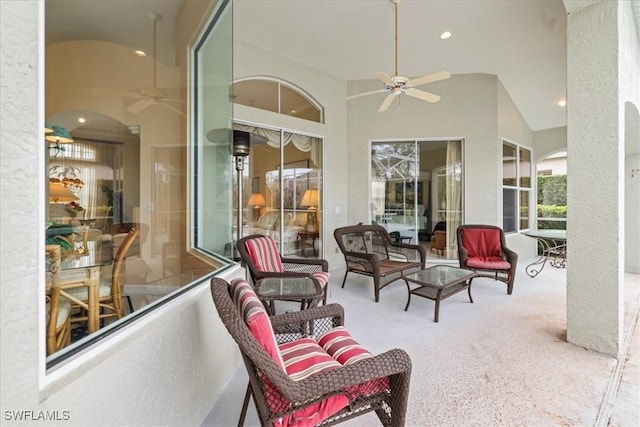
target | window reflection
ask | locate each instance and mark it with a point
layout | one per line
(119, 186)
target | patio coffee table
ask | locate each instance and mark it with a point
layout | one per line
(437, 283)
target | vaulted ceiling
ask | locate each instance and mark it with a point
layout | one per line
(523, 42)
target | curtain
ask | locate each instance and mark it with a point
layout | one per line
(301, 142)
(93, 162)
(453, 194)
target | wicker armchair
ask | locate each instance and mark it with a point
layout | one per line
(260, 254)
(482, 248)
(318, 395)
(369, 250)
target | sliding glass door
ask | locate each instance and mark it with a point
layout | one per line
(282, 191)
(416, 192)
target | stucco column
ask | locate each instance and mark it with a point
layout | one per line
(595, 195)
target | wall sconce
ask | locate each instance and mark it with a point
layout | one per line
(256, 201)
(310, 200)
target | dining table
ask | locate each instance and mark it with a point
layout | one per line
(552, 245)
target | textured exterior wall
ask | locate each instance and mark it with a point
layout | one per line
(594, 160)
(166, 369)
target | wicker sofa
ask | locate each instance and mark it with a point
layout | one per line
(305, 368)
(369, 250)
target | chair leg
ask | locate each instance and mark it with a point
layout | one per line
(245, 405)
(345, 277)
(129, 303)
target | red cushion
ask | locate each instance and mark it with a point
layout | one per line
(482, 242)
(342, 347)
(256, 318)
(264, 253)
(322, 277)
(488, 263)
(302, 359)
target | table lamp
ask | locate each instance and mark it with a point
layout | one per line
(310, 200)
(256, 201)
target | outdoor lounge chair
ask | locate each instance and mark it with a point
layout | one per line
(310, 371)
(369, 250)
(482, 248)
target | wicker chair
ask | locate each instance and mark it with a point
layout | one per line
(346, 389)
(482, 248)
(369, 250)
(260, 254)
(58, 309)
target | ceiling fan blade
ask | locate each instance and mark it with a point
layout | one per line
(387, 101)
(441, 75)
(172, 108)
(366, 93)
(140, 105)
(121, 93)
(384, 77)
(420, 94)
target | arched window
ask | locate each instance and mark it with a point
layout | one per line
(272, 94)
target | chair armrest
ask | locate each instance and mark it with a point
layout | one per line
(511, 255)
(315, 387)
(322, 263)
(410, 247)
(333, 311)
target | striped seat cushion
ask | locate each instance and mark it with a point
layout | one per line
(256, 318)
(322, 277)
(302, 359)
(264, 253)
(339, 343)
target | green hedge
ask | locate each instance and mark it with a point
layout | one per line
(552, 190)
(552, 211)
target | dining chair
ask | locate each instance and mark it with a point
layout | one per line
(58, 308)
(109, 291)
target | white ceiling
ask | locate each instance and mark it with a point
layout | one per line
(521, 41)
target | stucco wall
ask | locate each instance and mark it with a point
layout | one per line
(166, 369)
(595, 156)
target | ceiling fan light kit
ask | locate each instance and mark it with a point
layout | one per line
(398, 85)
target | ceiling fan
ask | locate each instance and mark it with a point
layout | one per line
(148, 96)
(398, 84)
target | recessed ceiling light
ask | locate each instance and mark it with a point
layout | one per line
(81, 119)
(445, 35)
(562, 103)
(140, 53)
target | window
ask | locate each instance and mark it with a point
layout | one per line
(124, 161)
(516, 187)
(278, 96)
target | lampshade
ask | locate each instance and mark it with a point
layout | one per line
(58, 193)
(47, 127)
(310, 198)
(257, 199)
(59, 135)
